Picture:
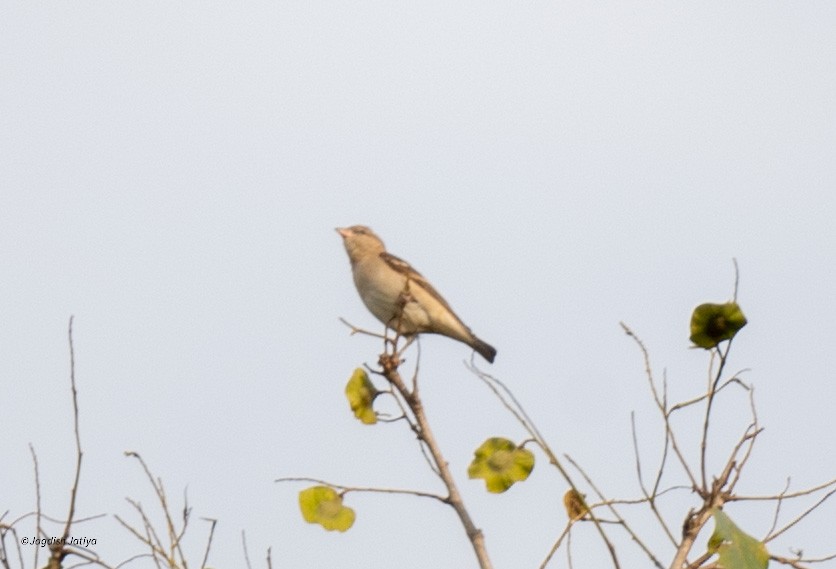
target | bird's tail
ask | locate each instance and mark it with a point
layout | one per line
(485, 350)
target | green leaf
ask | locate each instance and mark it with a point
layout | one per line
(361, 393)
(714, 323)
(737, 549)
(324, 506)
(500, 463)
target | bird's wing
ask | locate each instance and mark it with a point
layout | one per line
(414, 276)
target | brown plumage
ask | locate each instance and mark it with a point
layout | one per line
(399, 296)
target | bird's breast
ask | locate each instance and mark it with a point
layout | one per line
(387, 296)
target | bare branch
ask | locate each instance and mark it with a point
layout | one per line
(346, 489)
(4, 529)
(59, 551)
(668, 438)
(651, 498)
(620, 520)
(150, 537)
(712, 391)
(510, 402)
(175, 536)
(246, 551)
(800, 517)
(389, 364)
(506, 397)
(208, 541)
(779, 502)
(784, 496)
(751, 433)
(38, 529)
(799, 563)
(74, 491)
(389, 361)
(405, 409)
(736, 278)
(89, 557)
(556, 544)
(356, 330)
(661, 404)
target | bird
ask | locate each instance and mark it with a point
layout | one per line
(398, 296)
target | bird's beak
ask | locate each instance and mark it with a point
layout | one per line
(343, 231)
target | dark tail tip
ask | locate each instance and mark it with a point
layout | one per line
(485, 350)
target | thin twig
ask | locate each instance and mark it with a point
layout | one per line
(150, 538)
(246, 551)
(667, 442)
(4, 529)
(79, 454)
(89, 557)
(779, 501)
(800, 517)
(621, 521)
(38, 530)
(175, 537)
(506, 398)
(510, 402)
(704, 396)
(364, 332)
(209, 540)
(736, 278)
(556, 544)
(59, 551)
(800, 563)
(751, 434)
(346, 489)
(785, 496)
(131, 560)
(651, 497)
(643, 500)
(712, 391)
(661, 404)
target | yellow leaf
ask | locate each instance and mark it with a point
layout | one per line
(324, 506)
(361, 393)
(500, 463)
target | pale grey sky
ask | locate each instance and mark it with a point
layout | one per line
(171, 174)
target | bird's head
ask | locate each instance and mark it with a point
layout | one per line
(360, 241)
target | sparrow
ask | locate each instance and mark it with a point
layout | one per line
(399, 296)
